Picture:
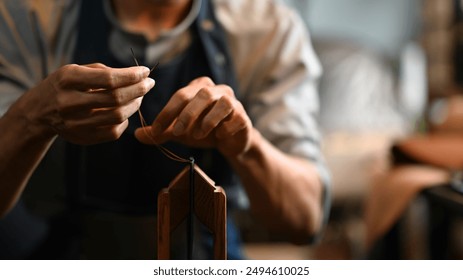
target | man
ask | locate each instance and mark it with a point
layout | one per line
(235, 89)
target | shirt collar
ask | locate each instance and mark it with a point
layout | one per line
(169, 33)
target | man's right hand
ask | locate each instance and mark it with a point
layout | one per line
(86, 104)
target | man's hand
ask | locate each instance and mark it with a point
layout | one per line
(202, 114)
(87, 104)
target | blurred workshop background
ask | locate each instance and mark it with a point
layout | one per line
(392, 70)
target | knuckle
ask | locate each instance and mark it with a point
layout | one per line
(229, 91)
(109, 78)
(118, 97)
(96, 65)
(182, 96)
(205, 80)
(245, 122)
(119, 116)
(227, 101)
(131, 77)
(238, 107)
(70, 67)
(64, 74)
(206, 94)
(100, 65)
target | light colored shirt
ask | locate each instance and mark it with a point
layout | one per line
(277, 69)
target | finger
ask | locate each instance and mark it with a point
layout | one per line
(177, 103)
(120, 96)
(203, 100)
(219, 112)
(172, 109)
(84, 77)
(238, 120)
(76, 101)
(230, 128)
(146, 136)
(94, 135)
(103, 117)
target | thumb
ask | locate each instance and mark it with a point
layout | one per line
(145, 135)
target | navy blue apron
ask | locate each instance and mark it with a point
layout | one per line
(124, 176)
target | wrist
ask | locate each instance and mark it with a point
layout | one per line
(252, 149)
(28, 120)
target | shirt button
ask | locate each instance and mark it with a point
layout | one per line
(207, 25)
(220, 59)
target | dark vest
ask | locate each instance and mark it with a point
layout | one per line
(124, 175)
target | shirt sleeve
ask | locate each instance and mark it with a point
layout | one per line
(35, 39)
(16, 45)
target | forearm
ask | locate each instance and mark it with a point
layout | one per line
(23, 146)
(284, 191)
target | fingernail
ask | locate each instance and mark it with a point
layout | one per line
(178, 128)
